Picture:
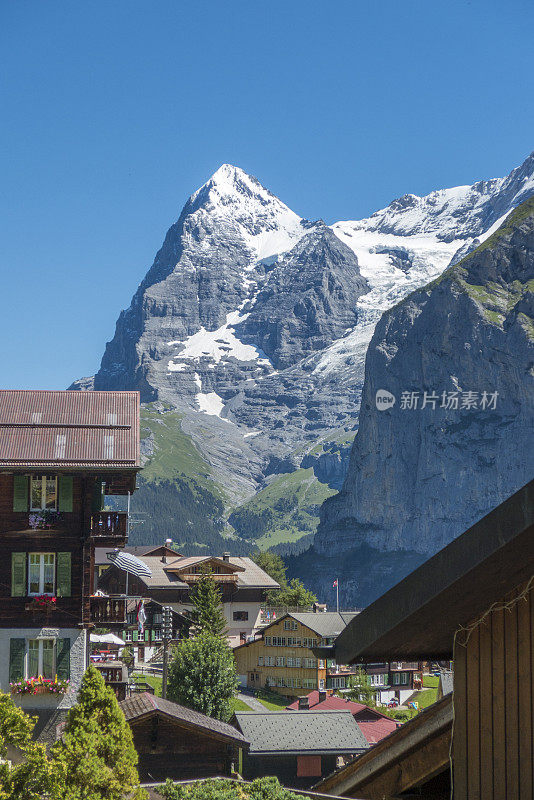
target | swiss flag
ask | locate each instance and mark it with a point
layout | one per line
(335, 583)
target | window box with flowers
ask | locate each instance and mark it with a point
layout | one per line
(40, 685)
(42, 602)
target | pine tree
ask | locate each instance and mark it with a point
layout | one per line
(96, 752)
(202, 675)
(208, 612)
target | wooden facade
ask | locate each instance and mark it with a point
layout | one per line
(61, 453)
(264, 662)
(175, 742)
(493, 702)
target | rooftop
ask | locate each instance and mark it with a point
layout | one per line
(419, 616)
(308, 732)
(328, 624)
(70, 429)
(141, 705)
(164, 576)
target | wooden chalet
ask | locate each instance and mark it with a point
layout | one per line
(147, 644)
(293, 653)
(472, 602)
(61, 453)
(175, 742)
(243, 586)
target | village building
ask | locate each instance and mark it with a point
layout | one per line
(61, 454)
(373, 724)
(298, 748)
(243, 585)
(472, 602)
(147, 644)
(293, 653)
(175, 742)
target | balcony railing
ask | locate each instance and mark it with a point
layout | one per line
(193, 577)
(108, 523)
(108, 610)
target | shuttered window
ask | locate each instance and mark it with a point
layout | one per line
(65, 483)
(63, 658)
(17, 652)
(20, 493)
(18, 574)
(64, 574)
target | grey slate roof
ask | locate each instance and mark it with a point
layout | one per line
(325, 623)
(301, 732)
(138, 705)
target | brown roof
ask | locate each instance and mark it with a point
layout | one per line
(69, 429)
(249, 576)
(136, 550)
(140, 705)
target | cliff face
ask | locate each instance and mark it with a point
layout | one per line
(423, 470)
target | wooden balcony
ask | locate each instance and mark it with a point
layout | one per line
(109, 527)
(107, 611)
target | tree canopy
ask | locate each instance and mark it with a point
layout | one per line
(96, 751)
(208, 614)
(273, 565)
(202, 675)
(293, 593)
(360, 688)
(259, 789)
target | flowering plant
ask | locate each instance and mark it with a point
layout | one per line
(38, 685)
(45, 600)
(44, 519)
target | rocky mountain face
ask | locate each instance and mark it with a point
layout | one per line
(458, 358)
(247, 338)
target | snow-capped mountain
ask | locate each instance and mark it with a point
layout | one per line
(254, 323)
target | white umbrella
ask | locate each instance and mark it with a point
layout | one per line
(106, 638)
(129, 563)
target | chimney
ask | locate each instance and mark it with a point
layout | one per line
(304, 704)
(226, 556)
(168, 543)
(322, 695)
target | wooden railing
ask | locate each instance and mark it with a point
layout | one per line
(107, 610)
(193, 577)
(108, 523)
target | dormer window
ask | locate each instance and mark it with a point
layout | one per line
(43, 492)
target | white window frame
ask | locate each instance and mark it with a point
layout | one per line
(40, 658)
(127, 636)
(260, 661)
(157, 635)
(41, 574)
(43, 506)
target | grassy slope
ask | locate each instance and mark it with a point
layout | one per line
(293, 498)
(290, 505)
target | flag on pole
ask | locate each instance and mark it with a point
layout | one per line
(335, 583)
(141, 616)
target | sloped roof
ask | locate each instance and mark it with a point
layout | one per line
(189, 561)
(249, 576)
(327, 624)
(137, 550)
(335, 703)
(69, 429)
(139, 705)
(307, 732)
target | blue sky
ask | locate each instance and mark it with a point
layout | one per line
(114, 112)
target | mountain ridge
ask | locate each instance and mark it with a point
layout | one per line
(259, 341)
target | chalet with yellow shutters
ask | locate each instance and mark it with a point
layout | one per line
(293, 654)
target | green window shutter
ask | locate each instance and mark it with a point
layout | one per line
(135, 636)
(98, 497)
(146, 635)
(63, 658)
(17, 651)
(18, 575)
(65, 492)
(63, 582)
(20, 492)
